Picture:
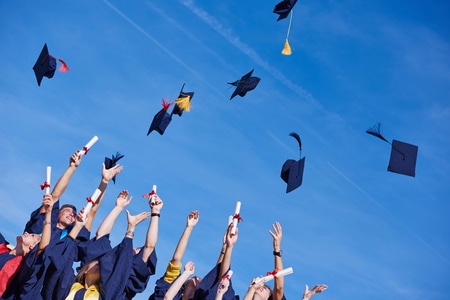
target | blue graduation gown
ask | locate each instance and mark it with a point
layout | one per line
(207, 288)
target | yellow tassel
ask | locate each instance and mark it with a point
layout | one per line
(184, 102)
(286, 49)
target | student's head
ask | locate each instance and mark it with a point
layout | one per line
(67, 214)
(262, 293)
(89, 273)
(190, 286)
(27, 241)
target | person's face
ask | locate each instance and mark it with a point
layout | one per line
(190, 286)
(262, 293)
(29, 240)
(66, 216)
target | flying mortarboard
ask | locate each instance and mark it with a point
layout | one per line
(403, 155)
(161, 120)
(245, 84)
(111, 162)
(46, 65)
(292, 170)
(182, 103)
(283, 9)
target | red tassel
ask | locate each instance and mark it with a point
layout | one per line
(63, 67)
(165, 103)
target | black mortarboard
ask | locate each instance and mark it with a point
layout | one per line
(403, 158)
(182, 103)
(403, 155)
(46, 65)
(161, 120)
(111, 162)
(284, 8)
(292, 170)
(245, 84)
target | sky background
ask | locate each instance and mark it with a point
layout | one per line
(365, 232)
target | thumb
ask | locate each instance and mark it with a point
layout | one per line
(306, 289)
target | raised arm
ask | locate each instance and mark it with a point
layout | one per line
(47, 204)
(106, 226)
(107, 175)
(231, 240)
(223, 288)
(153, 227)
(256, 284)
(189, 270)
(63, 181)
(278, 286)
(191, 221)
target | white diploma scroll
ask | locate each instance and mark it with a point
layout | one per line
(230, 220)
(280, 273)
(152, 201)
(89, 205)
(236, 217)
(89, 145)
(47, 180)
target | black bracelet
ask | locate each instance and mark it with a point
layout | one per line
(156, 215)
(277, 253)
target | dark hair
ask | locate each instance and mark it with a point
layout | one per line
(80, 275)
(69, 205)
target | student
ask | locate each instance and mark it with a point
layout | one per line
(107, 277)
(209, 285)
(30, 283)
(174, 267)
(257, 289)
(25, 251)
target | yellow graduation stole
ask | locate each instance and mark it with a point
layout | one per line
(92, 292)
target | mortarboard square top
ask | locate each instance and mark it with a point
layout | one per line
(292, 173)
(160, 122)
(284, 8)
(245, 84)
(45, 65)
(403, 158)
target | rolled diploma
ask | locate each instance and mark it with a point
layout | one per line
(89, 145)
(235, 220)
(88, 207)
(153, 192)
(47, 179)
(281, 273)
(230, 220)
(229, 274)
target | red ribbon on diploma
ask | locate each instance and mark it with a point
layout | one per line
(274, 273)
(45, 185)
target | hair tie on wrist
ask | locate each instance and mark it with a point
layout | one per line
(156, 215)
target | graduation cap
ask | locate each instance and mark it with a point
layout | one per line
(403, 155)
(182, 103)
(46, 65)
(292, 170)
(161, 120)
(111, 162)
(283, 9)
(245, 84)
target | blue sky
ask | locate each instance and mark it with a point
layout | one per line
(365, 232)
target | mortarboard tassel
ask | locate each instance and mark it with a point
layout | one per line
(287, 48)
(165, 103)
(184, 102)
(63, 67)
